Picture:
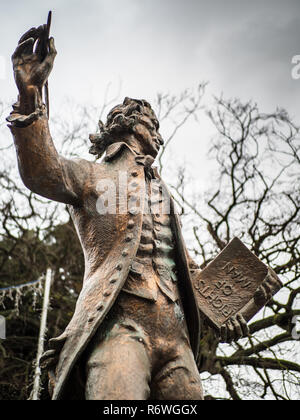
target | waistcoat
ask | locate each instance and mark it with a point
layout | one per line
(154, 267)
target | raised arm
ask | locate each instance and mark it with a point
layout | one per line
(42, 169)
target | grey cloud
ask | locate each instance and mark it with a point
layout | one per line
(243, 47)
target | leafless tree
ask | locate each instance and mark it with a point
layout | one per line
(255, 196)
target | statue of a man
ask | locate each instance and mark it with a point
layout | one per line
(135, 332)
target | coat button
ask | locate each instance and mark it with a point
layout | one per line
(100, 307)
(113, 281)
(134, 174)
(130, 224)
(133, 198)
(119, 267)
(108, 293)
(129, 238)
(133, 211)
(91, 318)
(124, 254)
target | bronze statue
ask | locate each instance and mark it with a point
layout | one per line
(135, 332)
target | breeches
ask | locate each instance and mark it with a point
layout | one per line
(142, 352)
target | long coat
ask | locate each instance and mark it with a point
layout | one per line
(109, 241)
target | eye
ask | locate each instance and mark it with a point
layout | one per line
(149, 126)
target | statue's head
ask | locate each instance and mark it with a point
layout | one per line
(132, 118)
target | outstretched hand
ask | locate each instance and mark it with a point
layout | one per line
(31, 67)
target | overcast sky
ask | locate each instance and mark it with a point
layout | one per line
(243, 48)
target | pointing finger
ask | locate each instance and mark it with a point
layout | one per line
(42, 41)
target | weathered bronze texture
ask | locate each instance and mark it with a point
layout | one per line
(227, 286)
(135, 332)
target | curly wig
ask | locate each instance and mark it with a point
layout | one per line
(122, 119)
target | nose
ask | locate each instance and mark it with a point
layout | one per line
(160, 141)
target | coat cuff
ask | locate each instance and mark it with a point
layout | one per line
(18, 120)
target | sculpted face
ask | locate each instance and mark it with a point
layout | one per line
(148, 135)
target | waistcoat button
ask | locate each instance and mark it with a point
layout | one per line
(130, 224)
